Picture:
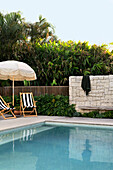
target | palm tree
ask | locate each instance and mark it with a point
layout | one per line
(41, 31)
(11, 27)
(11, 31)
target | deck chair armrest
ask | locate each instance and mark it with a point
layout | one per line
(12, 106)
(35, 103)
(8, 104)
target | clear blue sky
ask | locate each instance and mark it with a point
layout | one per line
(84, 20)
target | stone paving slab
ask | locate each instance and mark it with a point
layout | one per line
(21, 121)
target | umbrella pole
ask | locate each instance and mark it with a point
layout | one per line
(13, 91)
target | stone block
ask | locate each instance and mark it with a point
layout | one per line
(72, 102)
(111, 84)
(106, 77)
(111, 89)
(95, 98)
(93, 95)
(87, 103)
(80, 103)
(107, 92)
(96, 77)
(70, 97)
(98, 103)
(73, 80)
(78, 88)
(105, 81)
(70, 88)
(82, 94)
(101, 77)
(78, 80)
(102, 98)
(111, 77)
(72, 77)
(72, 84)
(99, 81)
(100, 87)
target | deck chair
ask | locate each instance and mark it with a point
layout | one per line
(27, 104)
(5, 108)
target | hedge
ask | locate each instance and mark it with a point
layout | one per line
(54, 62)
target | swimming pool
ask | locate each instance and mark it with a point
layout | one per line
(50, 146)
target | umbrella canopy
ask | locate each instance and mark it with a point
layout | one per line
(16, 70)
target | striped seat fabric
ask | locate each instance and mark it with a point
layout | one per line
(27, 104)
(5, 109)
(27, 100)
(3, 106)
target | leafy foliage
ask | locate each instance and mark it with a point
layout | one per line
(54, 105)
(58, 106)
(8, 99)
(49, 105)
(41, 30)
(96, 114)
(15, 31)
(11, 32)
(53, 61)
(57, 61)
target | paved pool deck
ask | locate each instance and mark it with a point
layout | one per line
(25, 121)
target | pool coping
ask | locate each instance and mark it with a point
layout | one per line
(29, 121)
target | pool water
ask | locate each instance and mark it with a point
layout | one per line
(57, 147)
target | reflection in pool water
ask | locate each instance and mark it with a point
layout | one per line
(57, 148)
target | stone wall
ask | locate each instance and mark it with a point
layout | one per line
(101, 93)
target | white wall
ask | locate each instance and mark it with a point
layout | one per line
(101, 93)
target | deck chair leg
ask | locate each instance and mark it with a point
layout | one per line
(29, 115)
(35, 111)
(8, 117)
(23, 113)
(3, 116)
(13, 114)
(20, 111)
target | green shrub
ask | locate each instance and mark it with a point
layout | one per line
(92, 114)
(77, 114)
(8, 99)
(54, 105)
(49, 105)
(54, 62)
(108, 114)
(96, 114)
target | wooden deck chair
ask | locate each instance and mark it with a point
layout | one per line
(27, 104)
(5, 108)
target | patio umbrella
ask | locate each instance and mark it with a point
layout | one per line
(16, 71)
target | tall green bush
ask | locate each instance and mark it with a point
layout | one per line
(57, 61)
(53, 61)
(49, 105)
(54, 105)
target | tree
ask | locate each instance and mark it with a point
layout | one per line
(12, 30)
(41, 31)
(11, 27)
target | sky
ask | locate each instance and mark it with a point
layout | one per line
(77, 20)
